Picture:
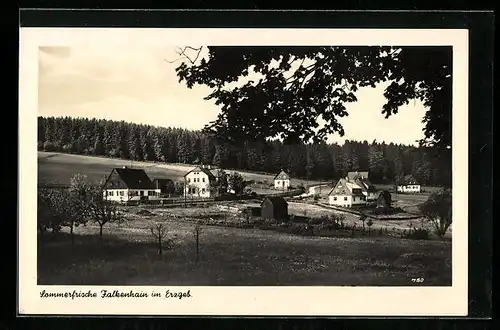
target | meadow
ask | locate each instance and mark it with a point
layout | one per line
(128, 255)
(59, 167)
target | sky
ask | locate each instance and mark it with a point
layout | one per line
(140, 85)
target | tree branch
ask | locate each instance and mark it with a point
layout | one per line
(183, 55)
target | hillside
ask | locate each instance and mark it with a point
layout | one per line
(58, 168)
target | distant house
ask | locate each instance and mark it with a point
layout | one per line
(384, 199)
(274, 207)
(346, 194)
(198, 182)
(409, 187)
(166, 186)
(282, 180)
(127, 184)
(317, 190)
(368, 189)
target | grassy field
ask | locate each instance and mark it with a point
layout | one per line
(59, 167)
(234, 256)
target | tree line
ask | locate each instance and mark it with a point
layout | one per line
(386, 162)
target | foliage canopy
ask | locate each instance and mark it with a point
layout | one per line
(282, 92)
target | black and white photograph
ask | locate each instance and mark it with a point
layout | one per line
(246, 165)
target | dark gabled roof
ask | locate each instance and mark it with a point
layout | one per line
(385, 195)
(202, 169)
(282, 175)
(276, 201)
(365, 184)
(134, 178)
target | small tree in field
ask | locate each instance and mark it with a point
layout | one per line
(196, 233)
(159, 231)
(369, 223)
(102, 210)
(362, 217)
(437, 209)
(49, 212)
(77, 203)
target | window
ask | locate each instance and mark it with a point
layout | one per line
(121, 193)
(189, 180)
(334, 198)
(203, 179)
(141, 192)
(151, 193)
(345, 198)
(203, 190)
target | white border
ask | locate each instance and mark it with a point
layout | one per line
(338, 301)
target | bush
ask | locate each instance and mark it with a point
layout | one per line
(68, 148)
(418, 234)
(49, 146)
(387, 210)
(298, 219)
(303, 229)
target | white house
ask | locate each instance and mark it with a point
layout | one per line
(127, 184)
(316, 190)
(198, 182)
(282, 181)
(411, 187)
(346, 194)
(361, 180)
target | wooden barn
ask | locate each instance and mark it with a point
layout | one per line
(274, 208)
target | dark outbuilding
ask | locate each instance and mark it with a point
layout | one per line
(274, 208)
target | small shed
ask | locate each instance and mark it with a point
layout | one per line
(274, 207)
(384, 199)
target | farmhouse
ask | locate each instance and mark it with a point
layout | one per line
(346, 194)
(198, 182)
(361, 180)
(409, 187)
(127, 184)
(282, 180)
(274, 208)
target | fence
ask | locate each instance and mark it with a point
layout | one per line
(289, 193)
(347, 210)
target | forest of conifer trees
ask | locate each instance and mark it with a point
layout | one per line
(119, 139)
